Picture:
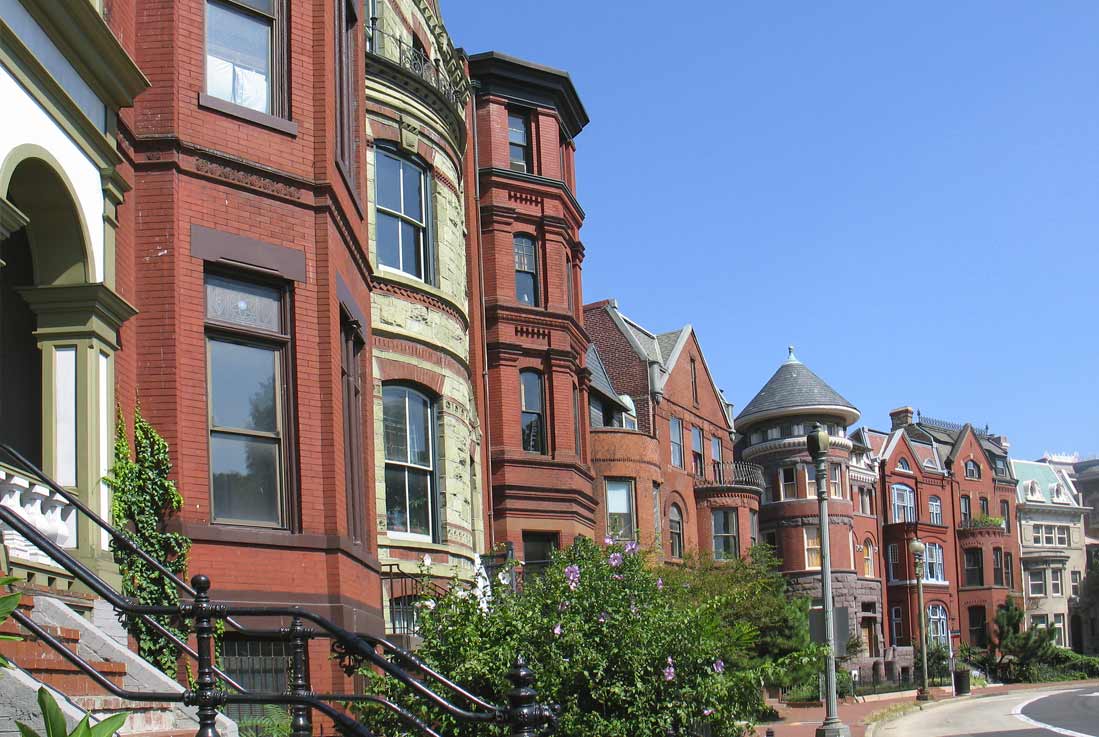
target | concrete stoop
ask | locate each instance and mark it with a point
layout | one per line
(37, 665)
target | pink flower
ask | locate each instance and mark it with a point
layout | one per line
(707, 712)
(659, 584)
(669, 672)
(557, 630)
(719, 666)
(631, 547)
(572, 575)
(602, 619)
(617, 577)
(562, 606)
(615, 560)
(608, 540)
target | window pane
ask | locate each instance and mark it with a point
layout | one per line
(412, 261)
(524, 287)
(396, 506)
(242, 386)
(388, 181)
(532, 391)
(532, 432)
(413, 192)
(620, 509)
(419, 430)
(243, 303)
(388, 240)
(517, 128)
(393, 414)
(238, 56)
(246, 478)
(419, 502)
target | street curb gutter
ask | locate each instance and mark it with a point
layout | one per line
(916, 706)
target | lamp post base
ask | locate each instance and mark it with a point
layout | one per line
(836, 729)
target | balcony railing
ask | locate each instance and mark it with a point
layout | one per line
(982, 522)
(394, 49)
(732, 473)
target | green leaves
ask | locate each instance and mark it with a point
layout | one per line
(8, 604)
(142, 499)
(54, 721)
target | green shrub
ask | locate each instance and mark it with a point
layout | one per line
(605, 640)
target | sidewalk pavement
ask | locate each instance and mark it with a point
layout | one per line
(803, 722)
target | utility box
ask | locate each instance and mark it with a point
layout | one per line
(841, 628)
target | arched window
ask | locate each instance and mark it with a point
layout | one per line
(972, 470)
(904, 504)
(902, 465)
(938, 626)
(533, 415)
(675, 531)
(409, 422)
(402, 234)
(935, 507)
(1033, 490)
(526, 270)
(868, 558)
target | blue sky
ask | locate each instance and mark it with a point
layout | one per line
(906, 191)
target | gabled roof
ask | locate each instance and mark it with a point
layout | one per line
(600, 379)
(1046, 478)
(795, 387)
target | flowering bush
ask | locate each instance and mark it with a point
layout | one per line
(605, 640)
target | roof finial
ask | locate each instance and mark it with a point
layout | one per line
(792, 358)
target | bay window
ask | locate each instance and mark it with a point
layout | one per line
(402, 207)
(533, 413)
(904, 504)
(620, 506)
(812, 547)
(526, 269)
(726, 534)
(410, 483)
(242, 48)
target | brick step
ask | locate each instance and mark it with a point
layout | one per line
(70, 680)
(144, 717)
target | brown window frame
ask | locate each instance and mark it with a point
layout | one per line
(279, 115)
(528, 147)
(283, 344)
(352, 345)
(346, 51)
(974, 576)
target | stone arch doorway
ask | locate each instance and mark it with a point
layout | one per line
(42, 243)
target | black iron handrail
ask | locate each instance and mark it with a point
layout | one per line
(395, 50)
(354, 651)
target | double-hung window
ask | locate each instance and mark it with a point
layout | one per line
(715, 459)
(904, 504)
(868, 558)
(242, 48)
(1076, 581)
(726, 534)
(895, 624)
(812, 547)
(1062, 536)
(697, 460)
(526, 270)
(1009, 570)
(1056, 582)
(248, 355)
(966, 508)
(409, 422)
(972, 470)
(835, 486)
(892, 553)
(789, 483)
(983, 505)
(354, 475)
(519, 158)
(1005, 512)
(934, 568)
(675, 531)
(347, 62)
(998, 566)
(1059, 628)
(1036, 582)
(938, 629)
(403, 238)
(676, 436)
(620, 516)
(974, 567)
(935, 506)
(533, 414)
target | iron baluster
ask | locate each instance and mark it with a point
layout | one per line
(526, 716)
(301, 724)
(206, 695)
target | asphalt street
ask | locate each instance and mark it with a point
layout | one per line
(1047, 713)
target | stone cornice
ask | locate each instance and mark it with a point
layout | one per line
(786, 444)
(80, 310)
(11, 220)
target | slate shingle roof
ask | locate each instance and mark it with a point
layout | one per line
(600, 379)
(794, 386)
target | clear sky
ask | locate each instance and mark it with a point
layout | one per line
(906, 191)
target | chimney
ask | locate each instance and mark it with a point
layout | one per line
(1000, 440)
(901, 417)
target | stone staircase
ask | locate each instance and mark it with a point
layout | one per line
(36, 664)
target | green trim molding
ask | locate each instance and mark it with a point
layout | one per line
(78, 311)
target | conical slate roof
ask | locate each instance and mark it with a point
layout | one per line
(795, 387)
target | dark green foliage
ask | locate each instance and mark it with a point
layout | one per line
(54, 721)
(8, 604)
(142, 499)
(1013, 654)
(615, 648)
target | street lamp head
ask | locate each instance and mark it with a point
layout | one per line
(817, 440)
(916, 547)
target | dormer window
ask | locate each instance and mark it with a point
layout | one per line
(972, 470)
(1057, 493)
(929, 463)
(1033, 491)
(902, 465)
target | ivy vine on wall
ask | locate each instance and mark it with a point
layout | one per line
(142, 499)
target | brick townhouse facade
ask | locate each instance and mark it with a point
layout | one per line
(951, 486)
(662, 443)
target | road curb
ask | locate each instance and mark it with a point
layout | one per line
(872, 727)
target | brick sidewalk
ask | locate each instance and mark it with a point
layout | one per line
(804, 722)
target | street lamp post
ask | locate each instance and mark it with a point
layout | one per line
(818, 442)
(917, 548)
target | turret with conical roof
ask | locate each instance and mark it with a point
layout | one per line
(794, 388)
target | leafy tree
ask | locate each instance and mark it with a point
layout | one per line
(606, 639)
(1013, 653)
(142, 499)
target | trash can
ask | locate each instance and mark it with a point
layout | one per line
(961, 682)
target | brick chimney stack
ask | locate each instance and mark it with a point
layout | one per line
(901, 417)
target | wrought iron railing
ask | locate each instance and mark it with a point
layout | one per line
(354, 651)
(394, 49)
(732, 473)
(406, 591)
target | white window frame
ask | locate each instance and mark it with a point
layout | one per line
(808, 547)
(835, 480)
(1076, 579)
(938, 624)
(935, 507)
(675, 435)
(783, 483)
(907, 502)
(902, 465)
(1056, 582)
(868, 558)
(1059, 628)
(1036, 576)
(934, 567)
